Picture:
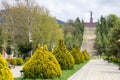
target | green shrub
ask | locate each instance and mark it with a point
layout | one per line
(116, 60)
(5, 73)
(119, 61)
(63, 56)
(12, 61)
(19, 61)
(43, 64)
(111, 59)
(107, 58)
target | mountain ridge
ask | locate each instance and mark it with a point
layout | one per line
(60, 21)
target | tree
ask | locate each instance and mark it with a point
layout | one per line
(25, 49)
(78, 34)
(63, 56)
(78, 56)
(76, 29)
(114, 39)
(111, 18)
(69, 41)
(8, 50)
(1, 39)
(42, 26)
(86, 55)
(104, 27)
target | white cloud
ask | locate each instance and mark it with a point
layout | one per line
(70, 9)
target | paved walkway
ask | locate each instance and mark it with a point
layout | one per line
(16, 71)
(97, 70)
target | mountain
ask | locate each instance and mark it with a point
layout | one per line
(60, 21)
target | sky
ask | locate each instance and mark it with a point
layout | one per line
(71, 9)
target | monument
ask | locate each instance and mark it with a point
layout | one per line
(90, 23)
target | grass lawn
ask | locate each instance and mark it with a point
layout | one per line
(65, 73)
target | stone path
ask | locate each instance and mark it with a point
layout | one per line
(89, 40)
(97, 70)
(16, 71)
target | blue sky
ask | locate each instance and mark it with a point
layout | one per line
(70, 9)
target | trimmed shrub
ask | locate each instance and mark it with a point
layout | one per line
(86, 55)
(63, 56)
(26, 59)
(5, 73)
(82, 58)
(12, 61)
(43, 64)
(76, 54)
(19, 61)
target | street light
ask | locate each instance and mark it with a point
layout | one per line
(22, 74)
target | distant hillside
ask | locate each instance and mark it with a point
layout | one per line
(60, 22)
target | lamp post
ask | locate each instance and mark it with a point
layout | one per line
(22, 74)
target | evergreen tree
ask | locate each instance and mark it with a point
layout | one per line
(78, 55)
(104, 33)
(63, 56)
(69, 40)
(115, 39)
(43, 64)
(86, 55)
(76, 29)
(100, 40)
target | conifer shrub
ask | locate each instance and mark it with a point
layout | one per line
(12, 61)
(43, 64)
(63, 56)
(82, 58)
(86, 55)
(19, 61)
(76, 54)
(26, 59)
(5, 73)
